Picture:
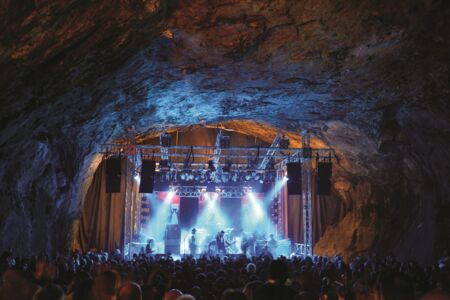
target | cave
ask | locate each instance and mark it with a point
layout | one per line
(367, 79)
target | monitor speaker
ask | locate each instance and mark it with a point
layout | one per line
(294, 173)
(113, 175)
(147, 176)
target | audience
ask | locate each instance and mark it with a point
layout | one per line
(130, 291)
(49, 292)
(107, 276)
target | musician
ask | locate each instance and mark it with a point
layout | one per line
(149, 248)
(193, 242)
(272, 244)
(244, 244)
(221, 243)
(252, 244)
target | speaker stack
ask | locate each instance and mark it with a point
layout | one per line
(324, 180)
(294, 173)
(147, 176)
(172, 239)
(113, 174)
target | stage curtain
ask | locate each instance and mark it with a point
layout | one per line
(326, 211)
(295, 217)
(102, 220)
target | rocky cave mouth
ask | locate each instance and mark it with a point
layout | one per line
(368, 79)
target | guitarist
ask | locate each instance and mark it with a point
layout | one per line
(221, 243)
(193, 242)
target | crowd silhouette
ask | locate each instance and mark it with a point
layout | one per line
(107, 276)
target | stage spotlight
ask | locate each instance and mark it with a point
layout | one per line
(137, 178)
(191, 177)
(224, 177)
(211, 166)
(202, 177)
(235, 177)
(285, 178)
(183, 176)
(248, 176)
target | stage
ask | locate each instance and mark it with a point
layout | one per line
(149, 198)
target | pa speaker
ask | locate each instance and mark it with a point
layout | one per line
(113, 175)
(324, 186)
(324, 173)
(294, 173)
(147, 176)
(324, 170)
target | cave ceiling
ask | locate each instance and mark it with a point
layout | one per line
(162, 63)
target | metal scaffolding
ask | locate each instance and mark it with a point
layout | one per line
(270, 152)
(279, 155)
(307, 170)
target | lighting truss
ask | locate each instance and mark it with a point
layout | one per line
(271, 152)
(217, 150)
(196, 191)
(165, 142)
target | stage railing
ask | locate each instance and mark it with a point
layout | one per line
(302, 249)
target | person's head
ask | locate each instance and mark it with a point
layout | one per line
(196, 291)
(81, 291)
(278, 271)
(436, 295)
(49, 292)
(251, 268)
(396, 286)
(186, 297)
(16, 285)
(130, 291)
(13, 279)
(250, 288)
(51, 272)
(231, 294)
(304, 296)
(193, 230)
(105, 285)
(173, 294)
